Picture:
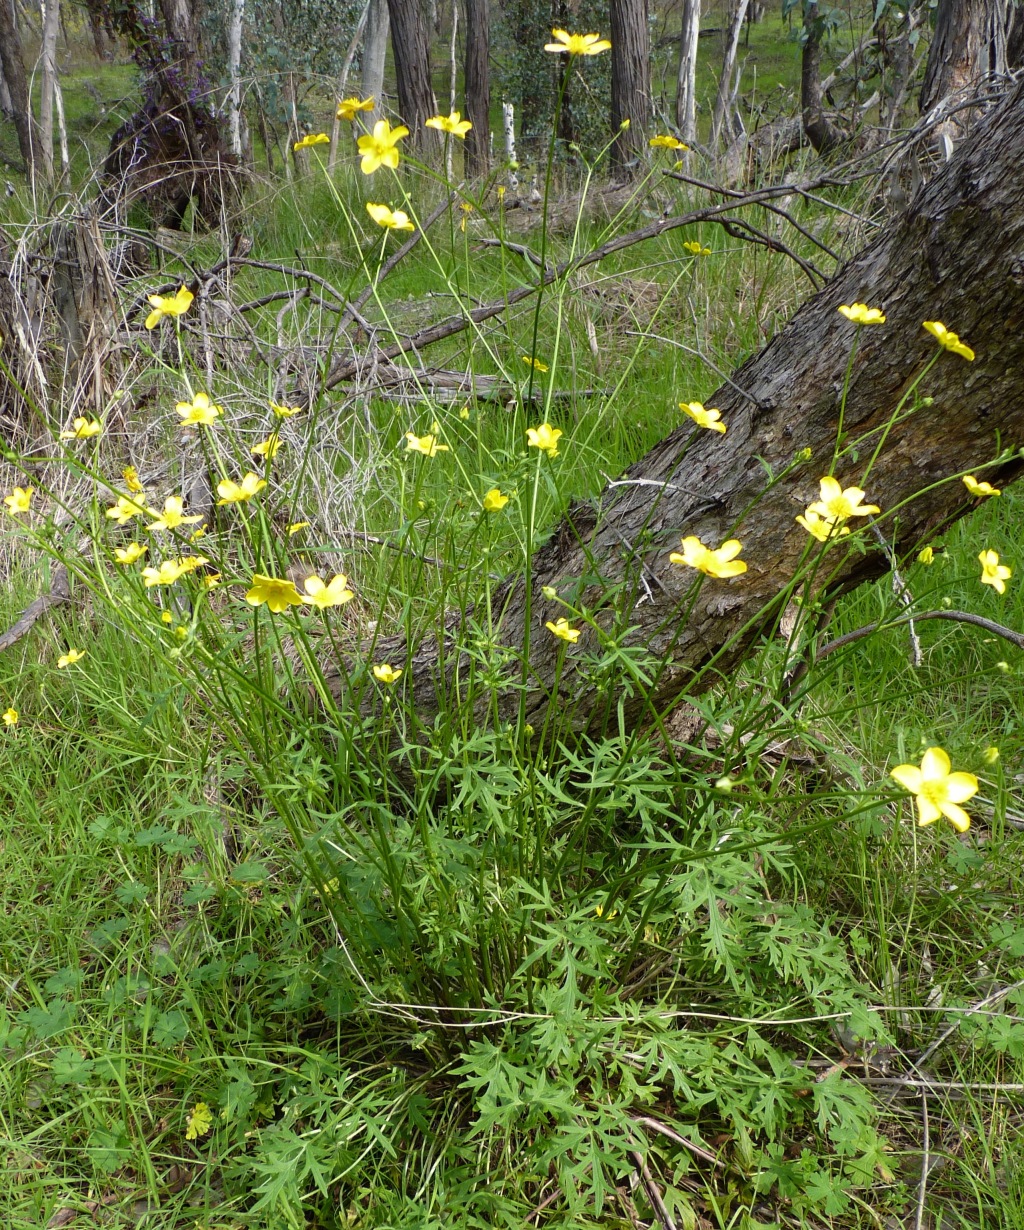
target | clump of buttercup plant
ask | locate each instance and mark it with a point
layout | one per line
(470, 970)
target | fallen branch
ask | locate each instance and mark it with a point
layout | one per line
(60, 591)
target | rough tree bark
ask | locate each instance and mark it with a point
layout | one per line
(17, 86)
(478, 87)
(725, 93)
(969, 41)
(416, 100)
(686, 75)
(958, 256)
(631, 84)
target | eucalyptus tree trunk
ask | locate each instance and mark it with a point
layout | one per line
(48, 84)
(478, 87)
(726, 92)
(820, 130)
(611, 556)
(631, 84)
(375, 50)
(411, 47)
(969, 41)
(686, 76)
(17, 86)
(236, 18)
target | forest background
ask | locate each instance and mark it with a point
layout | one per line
(398, 830)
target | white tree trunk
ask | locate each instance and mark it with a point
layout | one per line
(48, 59)
(236, 18)
(726, 90)
(62, 131)
(454, 72)
(342, 86)
(375, 50)
(686, 82)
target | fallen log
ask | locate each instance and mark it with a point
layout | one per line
(955, 255)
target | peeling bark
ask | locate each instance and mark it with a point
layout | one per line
(631, 85)
(958, 256)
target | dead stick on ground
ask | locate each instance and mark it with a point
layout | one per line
(458, 324)
(653, 1192)
(60, 591)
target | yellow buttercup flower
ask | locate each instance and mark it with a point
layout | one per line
(10, 717)
(284, 412)
(266, 448)
(926, 556)
(129, 554)
(131, 479)
(82, 429)
(296, 526)
(861, 314)
(70, 658)
(990, 755)
(19, 501)
(938, 792)
(172, 516)
(386, 673)
(309, 139)
(231, 492)
(710, 418)
(536, 364)
(199, 1122)
(666, 142)
(168, 305)
(695, 249)
(398, 220)
(993, 572)
(277, 594)
(578, 44)
(840, 503)
(454, 124)
(172, 570)
(494, 501)
(199, 412)
(721, 562)
(349, 108)
(427, 445)
(980, 489)
(336, 593)
(561, 629)
(380, 148)
(949, 340)
(545, 437)
(823, 528)
(125, 509)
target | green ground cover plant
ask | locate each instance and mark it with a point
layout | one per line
(277, 953)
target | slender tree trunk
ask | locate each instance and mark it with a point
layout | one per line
(969, 41)
(478, 87)
(726, 93)
(611, 556)
(48, 83)
(631, 84)
(342, 87)
(236, 19)
(17, 86)
(821, 132)
(375, 50)
(686, 77)
(416, 99)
